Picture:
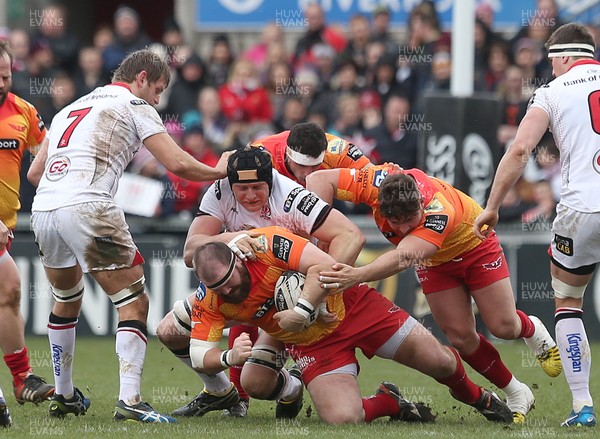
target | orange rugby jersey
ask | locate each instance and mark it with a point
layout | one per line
(339, 154)
(284, 250)
(447, 220)
(20, 128)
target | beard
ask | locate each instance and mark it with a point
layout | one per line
(240, 293)
(3, 96)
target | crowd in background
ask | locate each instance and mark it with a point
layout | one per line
(356, 81)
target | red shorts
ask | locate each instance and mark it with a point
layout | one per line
(370, 321)
(476, 269)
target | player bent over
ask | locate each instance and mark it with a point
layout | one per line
(359, 317)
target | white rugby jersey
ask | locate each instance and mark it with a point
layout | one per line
(290, 205)
(572, 101)
(91, 141)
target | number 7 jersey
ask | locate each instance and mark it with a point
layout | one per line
(91, 141)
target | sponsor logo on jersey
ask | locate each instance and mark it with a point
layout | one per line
(287, 205)
(336, 146)
(18, 128)
(307, 204)
(434, 206)
(200, 291)
(437, 223)
(596, 162)
(378, 177)
(138, 102)
(265, 307)
(9, 144)
(494, 265)
(564, 245)
(282, 247)
(58, 168)
(218, 189)
(354, 153)
(265, 212)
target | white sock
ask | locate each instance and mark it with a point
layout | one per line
(1, 394)
(575, 354)
(292, 387)
(131, 350)
(61, 335)
(514, 388)
(218, 384)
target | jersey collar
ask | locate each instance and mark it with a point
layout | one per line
(121, 84)
(583, 62)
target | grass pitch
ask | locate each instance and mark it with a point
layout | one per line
(167, 384)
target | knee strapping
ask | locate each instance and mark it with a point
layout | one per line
(70, 295)
(267, 356)
(564, 291)
(128, 295)
(182, 316)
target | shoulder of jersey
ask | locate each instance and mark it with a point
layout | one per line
(336, 145)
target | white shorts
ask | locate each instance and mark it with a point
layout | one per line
(93, 235)
(575, 237)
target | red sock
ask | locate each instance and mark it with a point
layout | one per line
(527, 326)
(461, 387)
(18, 363)
(236, 371)
(379, 405)
(486, 360)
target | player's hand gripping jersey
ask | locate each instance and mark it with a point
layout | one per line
(448, 213)
(210, 314)
(339, 154)
(21, 128)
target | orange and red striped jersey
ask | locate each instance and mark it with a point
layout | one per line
(21, 128)
(210, 314)
(339, 154)
(448, 213)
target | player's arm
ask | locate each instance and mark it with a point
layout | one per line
(323, 183)
(345, 240)
(206, 357)
(411, 251)
(530, 131)
(36, 170)
(180, 163)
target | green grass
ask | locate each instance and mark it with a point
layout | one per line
(168, 384)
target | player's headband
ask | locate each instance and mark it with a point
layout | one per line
(303, 159)
(227, 276)
(571, 49)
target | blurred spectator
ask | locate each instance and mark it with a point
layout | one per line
(187, 194)
(257, 54)
(514, 104)
(347, 78)
(128, 37)
(424, 37)
(103, 37)
(392, 142)
(375, 50)
(544, 209)
(498, 61)
(61, 91)
(174, 43)
(358, 37)
(317, 32)
(513, 206)
(483, 41)
(20, 45)
(527, 56)
(54, 31)
(243, 99)
(208, 114)
(90, 73)
(324, 64)
(441, 69)
(190, 80)
(317, 99)
(220, 60)
(294, 112)
(485, 13)
(370, 103)
(380, 28)
(385, 83)
(280, 84)
(348, 123)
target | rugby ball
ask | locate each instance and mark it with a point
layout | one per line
(287, 291)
